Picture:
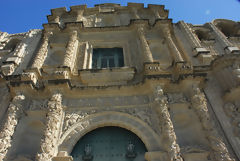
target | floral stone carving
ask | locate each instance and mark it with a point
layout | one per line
(161, 106)
(199, 104)
(51, 135)
(13, 114)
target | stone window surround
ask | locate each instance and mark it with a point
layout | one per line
(106, 44)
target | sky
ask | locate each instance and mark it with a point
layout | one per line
(22, 15)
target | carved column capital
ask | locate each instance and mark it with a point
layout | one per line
(49, 142)
(13, 115)
(199, 104)
(43, 50)
(161, 106)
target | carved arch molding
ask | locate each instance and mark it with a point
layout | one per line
(118, 119)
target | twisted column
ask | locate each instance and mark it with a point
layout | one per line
(219, 149)
(71, 50)
(13, 115)
(42, 53)
(161, 106)
(146, 50)
(176, 53)
(54, 116)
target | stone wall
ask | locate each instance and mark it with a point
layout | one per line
(178, 90)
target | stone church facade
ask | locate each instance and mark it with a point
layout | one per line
(116, 71)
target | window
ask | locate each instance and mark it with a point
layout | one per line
(107, 58)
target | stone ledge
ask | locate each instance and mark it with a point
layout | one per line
(114, 76)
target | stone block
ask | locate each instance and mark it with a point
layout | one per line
(8, 69)
(15, 60)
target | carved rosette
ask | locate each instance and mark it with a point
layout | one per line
(199, 104)
(166, 125)
(42, 53)
(146, 50)
(13, 115)
(71, 50)
(52, 131)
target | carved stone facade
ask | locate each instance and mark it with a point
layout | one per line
(176, 86)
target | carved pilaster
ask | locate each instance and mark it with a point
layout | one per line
(219, 149)
(223, 39)
(13, 114)
(42, 53)
(71, 50)
(176, 53)
(161, 106)
(192, 37)
(146, 50)
(54, 117)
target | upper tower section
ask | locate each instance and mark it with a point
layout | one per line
(107, 15)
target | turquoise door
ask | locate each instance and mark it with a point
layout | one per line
(109, 144)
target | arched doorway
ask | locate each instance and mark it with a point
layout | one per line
(109, 144)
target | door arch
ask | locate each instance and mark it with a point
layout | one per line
(119, 119)
(108, 144)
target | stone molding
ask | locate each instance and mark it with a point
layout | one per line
(43, 50)
(166, 125)
(219, 149)
(13, 114)
(49, 142)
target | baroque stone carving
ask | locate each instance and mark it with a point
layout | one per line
(71, 50)
(199, 104)
(161, 106)
(42, 53)
(53, 124)
(72, 118)
(13, 114)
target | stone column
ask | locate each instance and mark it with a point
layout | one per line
(222, 39)
(13, 115)
(146, 50)
(49, 142)
(71, 50)
(199, 104)
(161, 106)
(176, 53)
(42, 53)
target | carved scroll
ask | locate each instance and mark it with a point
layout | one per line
(13, 114)
(53, 124)
(166, 125)
(42, 53)
(146, 50)
(199, 104)
(71, 50)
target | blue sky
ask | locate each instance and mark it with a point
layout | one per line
(22, 15)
